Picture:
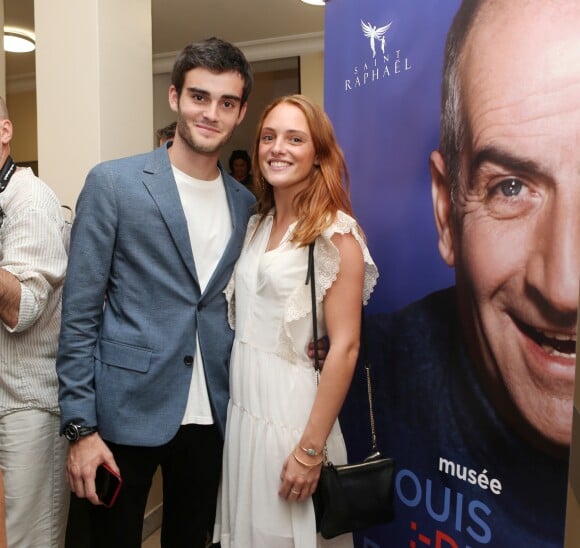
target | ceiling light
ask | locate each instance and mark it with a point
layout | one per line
(315, 2)
(18, 41)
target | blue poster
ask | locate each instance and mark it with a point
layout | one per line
(382, 78)
(471, 330)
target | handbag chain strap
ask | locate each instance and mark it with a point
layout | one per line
(367, 365)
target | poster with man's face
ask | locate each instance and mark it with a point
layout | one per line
(460, 122)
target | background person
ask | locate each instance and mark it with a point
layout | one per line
(33, 259)
(145, 382)
(278, 421)
(166, 133)
(240, 167)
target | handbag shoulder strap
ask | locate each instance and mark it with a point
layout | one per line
(310, 278)
(367, 366)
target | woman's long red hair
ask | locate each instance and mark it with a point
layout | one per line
(317, 204)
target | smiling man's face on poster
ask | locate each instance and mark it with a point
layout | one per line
(512, 227)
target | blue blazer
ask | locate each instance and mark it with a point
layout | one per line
(125, 362)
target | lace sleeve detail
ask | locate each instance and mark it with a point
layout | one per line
(327, 265)
(231, 300)
(229, 289)
(327, 262)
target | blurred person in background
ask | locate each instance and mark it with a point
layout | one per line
(240, 167)
(33, 259)
(166, 133)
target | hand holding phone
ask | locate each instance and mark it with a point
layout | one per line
(107, 485)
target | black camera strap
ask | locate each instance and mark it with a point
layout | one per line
(6, 173)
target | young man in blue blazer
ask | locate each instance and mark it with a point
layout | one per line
(145, 343)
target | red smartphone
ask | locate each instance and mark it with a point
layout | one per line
(107, 484)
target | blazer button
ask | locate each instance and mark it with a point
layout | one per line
(200, 306)
(188, 360)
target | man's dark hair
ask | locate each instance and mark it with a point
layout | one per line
(452, 121)
(216, 56)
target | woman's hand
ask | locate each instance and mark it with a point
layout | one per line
(299, 479)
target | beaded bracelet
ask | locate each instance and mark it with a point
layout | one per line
(307, 464)
(309, 451)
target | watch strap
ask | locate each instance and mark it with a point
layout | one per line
(74, 432)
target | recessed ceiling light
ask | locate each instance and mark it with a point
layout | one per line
(18, 41)
(315, 2)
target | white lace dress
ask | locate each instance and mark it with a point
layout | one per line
(273, 386)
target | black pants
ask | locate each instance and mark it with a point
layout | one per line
(191, 467)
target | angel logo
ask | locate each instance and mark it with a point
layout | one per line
(385, 62)
(373, 33)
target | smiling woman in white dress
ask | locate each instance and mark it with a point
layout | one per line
(279, 421)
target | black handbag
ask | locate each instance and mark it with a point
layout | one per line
(357, 495)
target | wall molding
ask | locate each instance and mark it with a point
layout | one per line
(257, 52)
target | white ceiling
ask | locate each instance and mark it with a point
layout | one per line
(178, 22)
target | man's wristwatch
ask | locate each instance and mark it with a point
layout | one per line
(74, 432)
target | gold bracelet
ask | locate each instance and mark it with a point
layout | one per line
(308, 465)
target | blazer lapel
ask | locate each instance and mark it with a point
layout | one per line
(159, 181)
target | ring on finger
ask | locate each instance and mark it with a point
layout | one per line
(294, 492)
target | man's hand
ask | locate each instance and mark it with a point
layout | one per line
(84, 456)
(322, 350)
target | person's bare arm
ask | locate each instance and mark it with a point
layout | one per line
(342, 312)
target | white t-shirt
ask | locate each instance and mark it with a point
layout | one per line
(210, 226)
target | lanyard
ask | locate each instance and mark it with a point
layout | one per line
(6, 173)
